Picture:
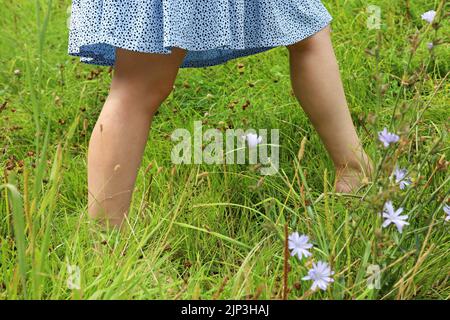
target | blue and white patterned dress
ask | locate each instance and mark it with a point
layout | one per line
(213, 31)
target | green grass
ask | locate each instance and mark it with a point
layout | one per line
(221, 234)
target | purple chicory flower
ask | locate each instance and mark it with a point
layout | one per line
(320, 274)
(299, 244)
(429, 16)
(447, 212)
(253, 140)
(401, 177)
(393, 216)
(387, 137)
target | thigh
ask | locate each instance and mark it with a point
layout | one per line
(316, 41)
(138, 72)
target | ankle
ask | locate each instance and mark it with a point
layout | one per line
(362, 163)
(103, 213)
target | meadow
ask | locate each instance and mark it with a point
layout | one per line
(215, 231)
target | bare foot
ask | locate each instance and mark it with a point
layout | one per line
(352, 177)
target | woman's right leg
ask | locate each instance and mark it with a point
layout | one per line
(141, 82)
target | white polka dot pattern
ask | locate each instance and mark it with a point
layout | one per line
(213, 31)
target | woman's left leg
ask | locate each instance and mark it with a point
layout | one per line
(317, 85)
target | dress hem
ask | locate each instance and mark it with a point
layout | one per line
(90, 57)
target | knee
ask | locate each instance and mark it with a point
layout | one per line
(311, 43)
(142, 97)
(157, 92)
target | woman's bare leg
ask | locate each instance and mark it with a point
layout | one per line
(318, 87)
(141, 82)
